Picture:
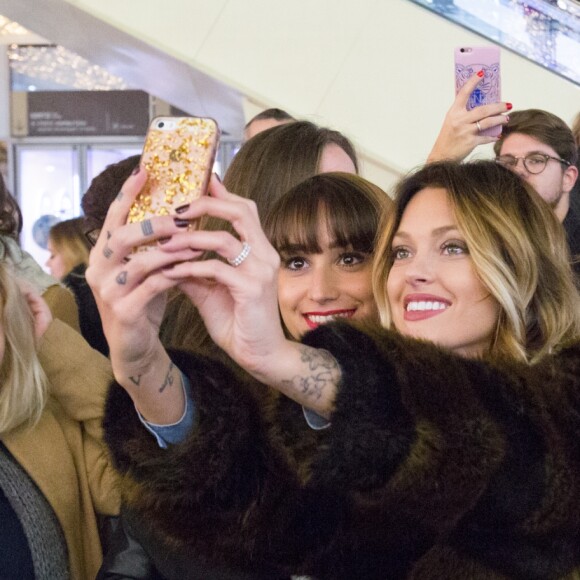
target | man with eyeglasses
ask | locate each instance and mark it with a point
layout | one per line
(540, 148)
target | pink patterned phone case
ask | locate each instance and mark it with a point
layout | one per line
(470, 60)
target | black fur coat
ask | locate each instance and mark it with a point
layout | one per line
(434, 467)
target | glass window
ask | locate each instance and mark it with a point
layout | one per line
(48, 192)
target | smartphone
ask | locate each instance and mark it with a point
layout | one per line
(178, 154)
(470, 60)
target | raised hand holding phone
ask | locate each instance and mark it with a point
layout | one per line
(237, 296)
(130, 291)
(470, 60)
(466, 126)
(178, 156)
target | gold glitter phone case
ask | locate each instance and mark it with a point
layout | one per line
(178, 155)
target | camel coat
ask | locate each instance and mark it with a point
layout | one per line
(62, 305)
(60, 300)
(63, 453)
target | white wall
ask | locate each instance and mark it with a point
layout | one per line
(379, 70)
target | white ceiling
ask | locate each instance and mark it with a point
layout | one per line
(140, 65)
(13, 33)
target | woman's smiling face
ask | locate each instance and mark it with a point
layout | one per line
(317, 287)
(433, 289)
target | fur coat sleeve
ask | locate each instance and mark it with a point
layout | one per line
(434, 467)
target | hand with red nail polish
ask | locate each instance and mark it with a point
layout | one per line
(462, 129)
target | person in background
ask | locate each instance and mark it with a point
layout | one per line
(102, 190)
(540, 148)
(10, 214)
(441, 425)
(69, 257)
(60, 300)
(575, 193)
(266, 120)
(55, 475)
(576, 130)
(68, 247)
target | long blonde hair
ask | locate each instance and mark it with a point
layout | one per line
(518, 249)
(23, 389)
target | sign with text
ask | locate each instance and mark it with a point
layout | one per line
(80, 113)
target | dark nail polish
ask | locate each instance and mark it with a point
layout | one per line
(163, 240)
(181, 223)
(181, 208)
(136, 170)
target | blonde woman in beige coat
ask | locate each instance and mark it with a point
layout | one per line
(55, 474)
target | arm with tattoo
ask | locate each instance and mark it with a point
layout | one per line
(307, 375)
(154, 385)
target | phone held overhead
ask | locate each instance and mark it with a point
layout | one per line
(470, 60)
(178, 155)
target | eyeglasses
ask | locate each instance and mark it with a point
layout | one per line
(93, 235)
(534, 162)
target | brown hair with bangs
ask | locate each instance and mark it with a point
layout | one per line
(350, 206)
(263, 170)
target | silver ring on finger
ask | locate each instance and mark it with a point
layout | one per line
(240, 258)
(479, 129)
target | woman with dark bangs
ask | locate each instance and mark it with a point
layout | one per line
(325, 230)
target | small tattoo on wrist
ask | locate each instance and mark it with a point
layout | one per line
(135, 380)
(107, 252)
(322, 367)
(168, 378)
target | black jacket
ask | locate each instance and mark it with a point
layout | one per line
(89, 317)
(571, 225)
(136, 554)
